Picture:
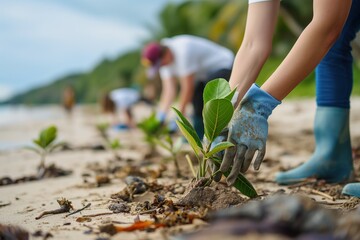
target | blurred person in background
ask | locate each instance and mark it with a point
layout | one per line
(120, 102)
(68, 99)
(191, 60)
(325, 45)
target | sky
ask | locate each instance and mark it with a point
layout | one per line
(43, 40)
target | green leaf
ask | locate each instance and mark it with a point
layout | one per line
(37, 142)
(244, 186)
(152, 127)
(241, 183)
(37, 150)
(216, 89)
(217, 114)
(162, 144)
(230, 95)
(53, 147)
(189, 137)
(219, 147)
(47, 136)
(115, 144)
(189, 128)
(102, 127)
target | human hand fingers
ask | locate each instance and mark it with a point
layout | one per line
(260, 156)
(249, 155)
(238, 162)
(228, 159)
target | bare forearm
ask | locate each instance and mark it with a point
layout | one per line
(186, 93)
(167, 97)
(256, 45)
(310, 48)
(246, 71)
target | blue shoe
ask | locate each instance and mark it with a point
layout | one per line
(121, 126)
(332, 159)
(352, 189)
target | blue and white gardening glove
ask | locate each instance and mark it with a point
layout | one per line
(248, 131)
(172, 126)
(161, 116)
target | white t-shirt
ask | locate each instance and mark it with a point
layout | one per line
(255, 1)
(124, 97)
(195, 55)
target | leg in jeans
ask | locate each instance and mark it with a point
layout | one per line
(332, 159)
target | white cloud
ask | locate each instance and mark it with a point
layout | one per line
(42, 40)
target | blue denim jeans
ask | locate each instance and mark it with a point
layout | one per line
(334, 76)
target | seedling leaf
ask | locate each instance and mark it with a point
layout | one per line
(231, 95)
(189, 137)
(36, 150)
(216, 89)
(244, 186)
(219, 147)
(241, 183)
(217, 114)
(189, 128)
(47, 136)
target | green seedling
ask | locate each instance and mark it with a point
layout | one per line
(44, 145)
(157, 134)
(112, 144)
(217, 113)
(153, 130)
(102, 128)
(173, 148)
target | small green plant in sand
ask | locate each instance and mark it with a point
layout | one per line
(153, 129)
(158, 134)
(173, 148)
(44, 145)
(217, 113)
(112, 144)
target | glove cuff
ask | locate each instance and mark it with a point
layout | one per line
(262, 101)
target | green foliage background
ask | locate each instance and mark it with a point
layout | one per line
(222, 21)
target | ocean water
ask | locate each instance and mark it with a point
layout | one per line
(18, 123)
(17, 114)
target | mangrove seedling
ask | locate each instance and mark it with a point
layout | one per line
(102, 129)
(44, 145)
(217, 113)
(112, 144)
(153, 129)
(173, 148)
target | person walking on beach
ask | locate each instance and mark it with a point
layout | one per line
(325, 45)
(193, 61)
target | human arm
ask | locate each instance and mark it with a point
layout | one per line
(168, 94)
(312, 45)
(256, 45)
(186, 92)
(248, 128)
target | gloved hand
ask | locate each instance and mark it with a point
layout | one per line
(161, 116)
(248, 130)
(172, 126)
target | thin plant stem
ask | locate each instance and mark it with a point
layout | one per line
(191, 165)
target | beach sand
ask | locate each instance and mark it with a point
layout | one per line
(290, 142)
